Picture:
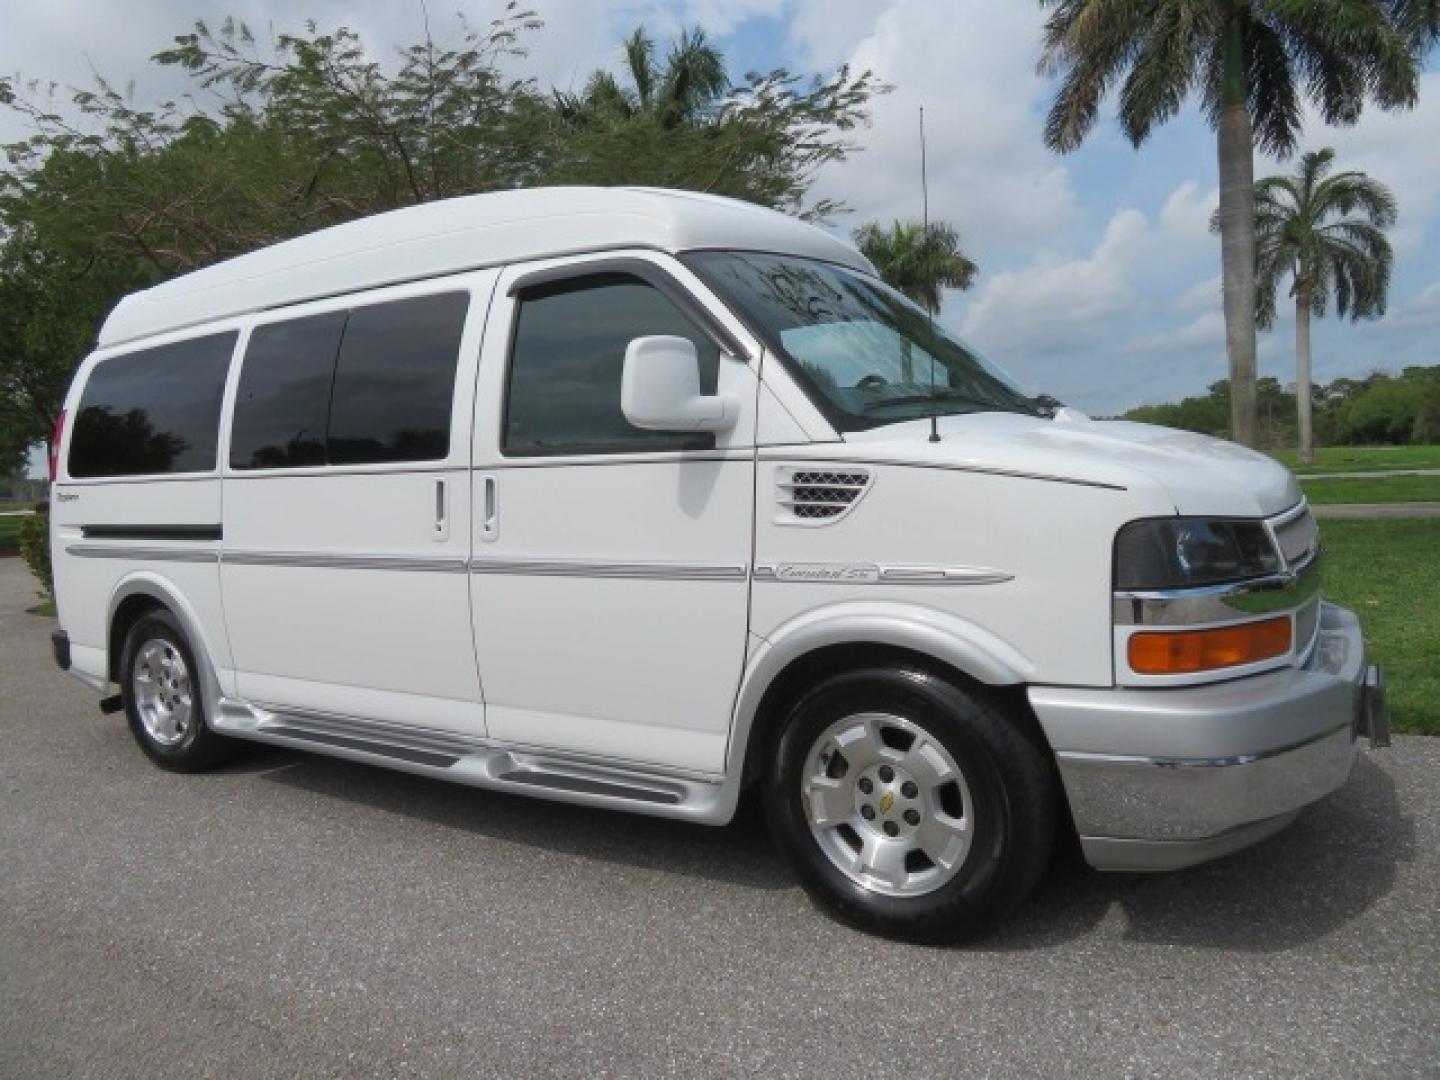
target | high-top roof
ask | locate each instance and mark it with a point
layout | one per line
(466, 233)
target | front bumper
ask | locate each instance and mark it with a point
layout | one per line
(1165, 778)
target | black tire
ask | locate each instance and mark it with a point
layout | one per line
(1011, 783)
(198, 747)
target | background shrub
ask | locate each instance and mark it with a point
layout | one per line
(35, 550)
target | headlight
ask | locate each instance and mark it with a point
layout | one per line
(1178, 553)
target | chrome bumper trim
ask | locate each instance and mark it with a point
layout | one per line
(1152, 856)
(1085, 757)
(1201, 800)
(1200, 769)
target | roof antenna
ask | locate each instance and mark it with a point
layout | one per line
(925, 241)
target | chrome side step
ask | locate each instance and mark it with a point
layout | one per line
(366, 746)
(480, 762)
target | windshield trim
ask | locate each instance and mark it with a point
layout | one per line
(842, 420)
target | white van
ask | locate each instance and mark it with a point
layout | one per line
(638, 499)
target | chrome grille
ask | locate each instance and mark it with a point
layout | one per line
(818, 496)
(1297, 536)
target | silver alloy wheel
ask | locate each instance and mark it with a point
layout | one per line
(888, 804)
(160, 681)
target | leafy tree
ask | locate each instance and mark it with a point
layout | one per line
(1380, 408)
(917, 261)
(50, 305)
(1252, 63)
(309, 129)
(683, 124)
(1384, 413)
(690, 87)
(1326, 233)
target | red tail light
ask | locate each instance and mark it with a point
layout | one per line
(55, 438)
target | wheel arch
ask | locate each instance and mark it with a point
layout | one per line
(145, 591)
(814, 645)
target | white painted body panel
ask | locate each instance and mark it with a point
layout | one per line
(86, 586)
(1192, 474)
(641, 666)
(89, 588)
(936, 519)
(387, 638)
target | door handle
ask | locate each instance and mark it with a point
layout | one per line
(489, 509)
(441, 529)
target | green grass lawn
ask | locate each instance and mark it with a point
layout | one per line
(1383, 489)
(1389, 572)
(1364, 458)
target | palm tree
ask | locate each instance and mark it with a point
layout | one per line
(1252, 63)
(1326, 233)
(689, 84)
(918, 260)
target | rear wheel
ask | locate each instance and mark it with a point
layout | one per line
(909, 805)
(160, 686)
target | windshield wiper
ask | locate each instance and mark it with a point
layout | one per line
(938, 395)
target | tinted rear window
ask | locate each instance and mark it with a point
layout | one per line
(373, 384)
(155, 411)
(284, 393)
(395, 380)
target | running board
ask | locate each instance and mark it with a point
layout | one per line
(481, 763)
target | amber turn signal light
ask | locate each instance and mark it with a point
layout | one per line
(1184, 652)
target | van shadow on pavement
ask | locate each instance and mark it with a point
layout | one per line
(1333, 863)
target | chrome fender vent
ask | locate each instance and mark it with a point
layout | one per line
(818, 496)
(1296, 534)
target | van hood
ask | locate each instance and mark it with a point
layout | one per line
(1197, 475)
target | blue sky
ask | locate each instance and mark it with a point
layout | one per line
(1099, 279)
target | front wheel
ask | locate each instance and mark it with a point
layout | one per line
(909, 805)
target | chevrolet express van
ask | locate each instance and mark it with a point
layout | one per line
(631, 498)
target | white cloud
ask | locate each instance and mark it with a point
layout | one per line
(1069, 303)
(1186, 214)
(1400, 149)
(1205, 331)
(1201, 295)
(1058, 304)
(827, 31)
(989, 172)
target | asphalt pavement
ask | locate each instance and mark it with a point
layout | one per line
(293, 916)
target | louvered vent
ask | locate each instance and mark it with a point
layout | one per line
(818, 497)
(1297, 537)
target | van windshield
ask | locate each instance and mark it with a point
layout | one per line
(867, 355)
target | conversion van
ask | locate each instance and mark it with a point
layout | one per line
(642, 499)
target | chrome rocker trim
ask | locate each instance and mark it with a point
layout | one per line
(484, 763)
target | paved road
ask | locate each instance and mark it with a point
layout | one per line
(1376, 474)
(297, 917)
(1376, 510)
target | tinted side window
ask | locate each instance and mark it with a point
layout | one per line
(284, 394)
(152, 411)
(395, 380)
(566, 363)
